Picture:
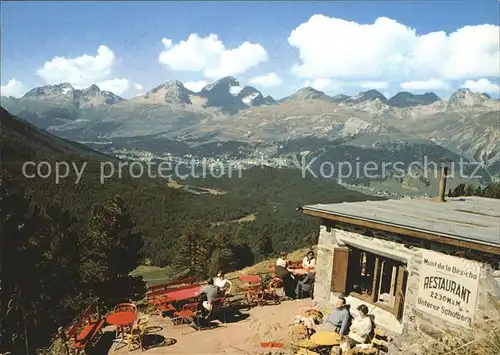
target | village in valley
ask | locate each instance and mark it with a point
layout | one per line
(250, 178)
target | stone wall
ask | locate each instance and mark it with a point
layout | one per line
(415, 325)
(324, 267)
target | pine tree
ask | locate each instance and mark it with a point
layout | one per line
(222, 255)
(266, 243)
(110, 250)
(469, 190)
(192, 251)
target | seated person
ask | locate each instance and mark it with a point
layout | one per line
(360, 328)
(305, 285)
(212, 293)
(339, 320)
(288, 281)
(224, 284)
(309, 262)
(282, 261)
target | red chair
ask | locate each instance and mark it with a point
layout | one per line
(162, 308)
(270, 292)
(84, 331)
(253, 294)
(272, 345)
(188, 315)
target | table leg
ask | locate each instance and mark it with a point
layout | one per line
(119, 337)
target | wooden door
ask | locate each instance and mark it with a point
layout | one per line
(339, 269)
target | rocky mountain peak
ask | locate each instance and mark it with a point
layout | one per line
(220, 95)
(253, 97)
(49, 90)
(466, 98)
(174, 84)
(364, 96)
(172, 92)
(223, 84)
(94, 96)
(371, 95)
(92, 89)
(308, 94)
(407, 99)
(269, 100)
(248, 90)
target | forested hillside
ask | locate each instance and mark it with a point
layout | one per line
(491, 191)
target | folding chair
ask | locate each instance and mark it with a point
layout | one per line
(274, 347)
(270, 293)
(254, 294)
(189, 315)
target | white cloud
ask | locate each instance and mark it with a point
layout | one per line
(377, 85)
(138, 87)
(389, 51)
(195, 86)
(482, 85)
(116, 86)
(84, 71)
(80, 71)
(13, 88)
(431, 84)
(268, 80)
(209, 56)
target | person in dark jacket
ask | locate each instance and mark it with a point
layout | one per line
(288, 281)
(305, 285)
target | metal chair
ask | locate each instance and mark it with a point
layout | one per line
(125, 307)
(189, 315)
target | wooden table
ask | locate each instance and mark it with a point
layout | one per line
(326, 338)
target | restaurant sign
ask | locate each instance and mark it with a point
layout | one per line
(448, 287)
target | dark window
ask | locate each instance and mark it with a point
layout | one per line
(377, 280)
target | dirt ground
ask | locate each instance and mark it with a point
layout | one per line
(242, 333)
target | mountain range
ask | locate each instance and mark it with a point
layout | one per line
(224, 120)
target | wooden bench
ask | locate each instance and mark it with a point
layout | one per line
(84, 330)
(171, 284)
(157, 294)
(160, 292)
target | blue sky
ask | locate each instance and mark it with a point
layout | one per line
(33, 33)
